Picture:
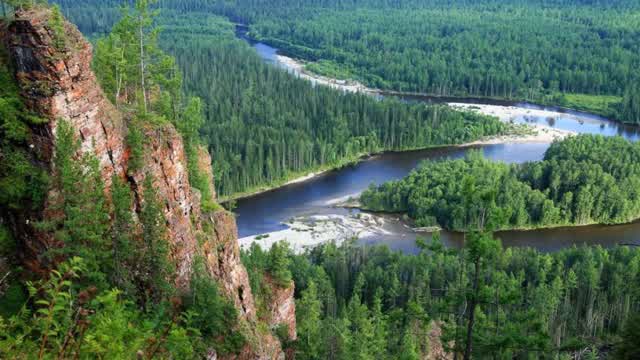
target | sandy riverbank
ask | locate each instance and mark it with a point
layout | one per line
(539, 133)
(297, 67)
(311, 231)
(306, 177)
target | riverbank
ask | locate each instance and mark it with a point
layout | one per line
(298, 68)
(530, 133)
(601, 105)
(297, 177)
(538, 133)
(306, 232)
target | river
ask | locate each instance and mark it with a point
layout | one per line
(268, 212)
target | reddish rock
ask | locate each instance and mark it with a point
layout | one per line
(282, 307)
(165, 161)
(59, 84)
(222, 255)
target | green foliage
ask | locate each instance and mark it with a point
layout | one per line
(510, 49)
(631, 105)
(123, 237)
(56, 24)
(191, 120)
(155, 267)
(213, 315)
(138, 76)
(7, 243)
(582, 180)
(66, 323)
(84, 223)
(278, 265)
(277, 126)
(308, 311)
(526, 302)
(629, 348)
(22, 182)
(135, 143)
(263, 125)
(605, 105)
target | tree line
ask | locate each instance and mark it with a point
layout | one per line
(537, 51)
(264, 126)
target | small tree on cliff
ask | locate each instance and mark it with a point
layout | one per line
(123, 233)
(84, 223)
(309, 323)
(130, 65)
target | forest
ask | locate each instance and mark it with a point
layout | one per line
(265, 127)
(579, 54)
(113, 296)
(584, 179)
(357, 302)
(538, 51)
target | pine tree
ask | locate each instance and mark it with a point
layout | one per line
(309, 325)
(85, 223)
(122, 235)
(155, 263)
(380, 331)
(279, 263)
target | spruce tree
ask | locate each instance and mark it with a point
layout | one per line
(155, 263)
(309, 325)
(279, 264)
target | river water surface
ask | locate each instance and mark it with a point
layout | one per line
(266, 212)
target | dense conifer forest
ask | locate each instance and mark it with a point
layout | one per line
(371, 303)
(582, 180)
(581, 54)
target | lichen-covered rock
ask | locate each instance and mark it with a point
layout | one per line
(165, 161)
(282, 308)
(58, 83)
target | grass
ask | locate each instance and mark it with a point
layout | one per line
(597, 104)
(329, 69)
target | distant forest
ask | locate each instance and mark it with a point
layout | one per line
(263, 126)
(542, 51)
(583, 54)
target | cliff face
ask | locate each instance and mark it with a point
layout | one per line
(165, 161)
(282, 308)
(58, 83)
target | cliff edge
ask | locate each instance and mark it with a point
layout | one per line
(57, 83)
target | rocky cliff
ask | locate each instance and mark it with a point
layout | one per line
(57, 83)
